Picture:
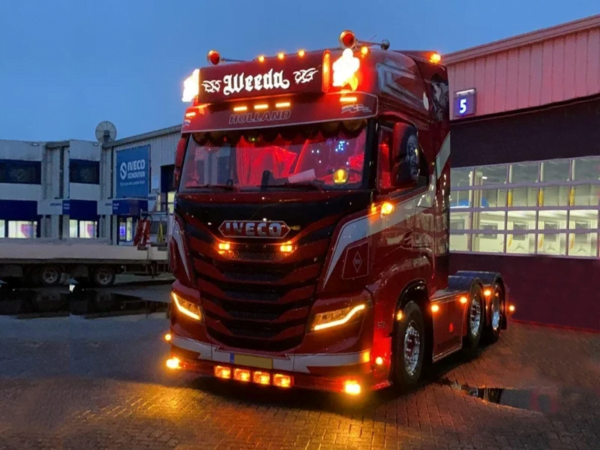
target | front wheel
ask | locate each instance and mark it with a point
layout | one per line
(409, 347)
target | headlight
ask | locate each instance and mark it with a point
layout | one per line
(189, 309)
(335, 318)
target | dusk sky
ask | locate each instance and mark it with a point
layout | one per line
(66, 65)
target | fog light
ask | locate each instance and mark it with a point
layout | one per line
(241, 375)
(286, 248)
(224, 246)
(283, 381)
(261, 378)
(223, 372)
(173, 363)
(352, 387)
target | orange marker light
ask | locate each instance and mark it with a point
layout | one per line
(351, 387)
(286, 248)
(168, 337)
(387, 208)
(435, 58)
(240, 108)
(364, 50)
(261, 58)
(283, 381)
(213, 57)
(280, 55)
(223, 372)
(241, 375)
(173, 363)
(301, 53)
(435, 308)
(263, 378)
(463, 300)
(379, 360)
(261, 107)
(348, 99)
(399, 315)
(511, 308)
(282, 105)
(487, 292)
(224, 246)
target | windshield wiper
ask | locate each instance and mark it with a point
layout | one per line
(302, 185)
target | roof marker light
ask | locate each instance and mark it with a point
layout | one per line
(261, 58)
(280, 55)
(435, 58)
(347, 39)
(301, 53)
(191, 86)
(213, 57)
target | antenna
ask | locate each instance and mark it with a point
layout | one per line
(106, 132)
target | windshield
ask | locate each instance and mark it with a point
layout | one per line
(325, 156)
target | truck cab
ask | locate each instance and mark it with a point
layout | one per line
(310, 235)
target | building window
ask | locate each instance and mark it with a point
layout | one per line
(2, 228)
(83, 229)
(84, 172)
(21, 229)
(545, 207)
(20, 172)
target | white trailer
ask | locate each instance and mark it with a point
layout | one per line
(44, 261)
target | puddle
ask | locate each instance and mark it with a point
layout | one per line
(86, 303)
(544, 401)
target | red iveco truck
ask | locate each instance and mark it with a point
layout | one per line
(310, 241)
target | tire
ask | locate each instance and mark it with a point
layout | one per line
(491, 333)
(49, 275)
(475, 317)
(103, 276)
(410, 336)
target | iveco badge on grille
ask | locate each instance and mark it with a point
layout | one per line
(254, 229)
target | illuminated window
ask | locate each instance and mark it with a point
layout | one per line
(521, 240)
(19, 229)
(2, 228)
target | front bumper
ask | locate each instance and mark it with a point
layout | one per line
(321, 371)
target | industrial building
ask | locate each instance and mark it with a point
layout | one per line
(49, 189)
(526, 168)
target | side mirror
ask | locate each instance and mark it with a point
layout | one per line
(179, 155)
(405, 164)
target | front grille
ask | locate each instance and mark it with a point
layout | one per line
(258, 299)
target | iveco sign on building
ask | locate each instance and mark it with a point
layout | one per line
(133, 172)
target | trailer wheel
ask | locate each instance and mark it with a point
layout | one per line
(103, 276)
(475, 317)
(492, 329)
(410, 347)
(49, 275)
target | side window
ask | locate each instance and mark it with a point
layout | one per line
(384, 170)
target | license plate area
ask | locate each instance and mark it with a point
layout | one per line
(252, 361)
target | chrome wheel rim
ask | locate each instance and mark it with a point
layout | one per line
(475, 315)
(412, 348)
(496, 313)
(50, 276)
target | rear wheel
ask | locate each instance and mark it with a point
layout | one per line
(49, 275)
(103, 276)
(409, 347)
(492, 329)
(475, 317)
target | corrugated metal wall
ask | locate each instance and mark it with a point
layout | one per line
(557, 69)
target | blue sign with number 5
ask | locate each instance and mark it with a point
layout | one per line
(464, 103)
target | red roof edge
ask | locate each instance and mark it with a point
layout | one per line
(523, 39)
